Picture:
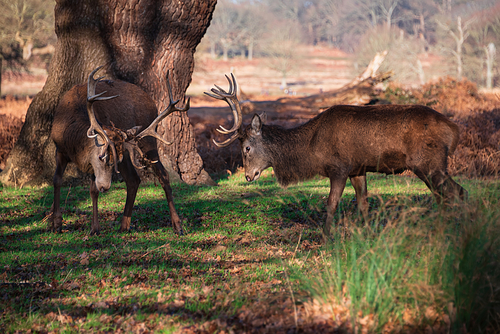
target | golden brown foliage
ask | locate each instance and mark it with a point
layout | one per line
(478, 116)
(9, 130)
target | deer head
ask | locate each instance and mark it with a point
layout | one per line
(125, 139)
(256, 156)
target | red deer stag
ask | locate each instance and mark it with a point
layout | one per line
(99, 137)
(347, 142)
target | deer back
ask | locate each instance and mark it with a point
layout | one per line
(132, 108)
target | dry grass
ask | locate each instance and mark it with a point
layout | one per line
(12, 114)
(477, 114)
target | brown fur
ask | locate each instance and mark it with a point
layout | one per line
(349, 141)
(132, 108)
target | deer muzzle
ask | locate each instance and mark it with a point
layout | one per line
(252, 175)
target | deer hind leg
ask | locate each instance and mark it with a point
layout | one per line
(337, 185)
(453, 191)
(94, 195)
(445, 189)
(132, 180)
(359, 184)
(436, 177)
(162, 175)
(56, 219)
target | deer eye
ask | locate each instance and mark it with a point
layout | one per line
(247, 149)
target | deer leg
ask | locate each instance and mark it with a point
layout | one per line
(94, 195)
(337, 185)
(162, 175)
(445, 189)
(425, 177)
(359, 184)
(433, 171)
(453, 191)
(132, 180)
(56, 219)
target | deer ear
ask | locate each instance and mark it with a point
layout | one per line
(263, 117)
(256, 124)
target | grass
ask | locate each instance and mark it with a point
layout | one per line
(252, 260)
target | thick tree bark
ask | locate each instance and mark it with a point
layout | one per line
(137, 41)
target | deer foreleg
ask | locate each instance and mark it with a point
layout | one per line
(162, 175)
(337, 185)
(359, 184)
(132, 180)
(56, 219)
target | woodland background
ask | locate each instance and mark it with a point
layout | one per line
(296, 48)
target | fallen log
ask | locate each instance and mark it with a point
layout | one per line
(360, 91)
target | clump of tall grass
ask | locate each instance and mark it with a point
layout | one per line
(411, 268)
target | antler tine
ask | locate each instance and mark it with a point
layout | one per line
(230, 93)
(231, 99)
(227, 141)
(91, 85)
(214, 95)
(151, 129)
(132, 148)
(95, 128)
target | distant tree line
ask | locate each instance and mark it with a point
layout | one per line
(465, 31)
(26, 28)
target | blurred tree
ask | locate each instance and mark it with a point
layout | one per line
(135, 40)
(25, 25)
(226, 28)
(282, 50)
(255, 20)
(490, 51)
(402, 57)
(485, 35)
(291, 10)
(323, 18)
(419, 14)
(459, 35)
(388, 10)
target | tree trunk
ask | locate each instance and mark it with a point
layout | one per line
(490, 60)
(250, 49)
(137, 41)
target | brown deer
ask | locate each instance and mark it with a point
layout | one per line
(347, 142)
(103, 133)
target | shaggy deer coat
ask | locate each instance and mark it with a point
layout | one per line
(101, 134)
(347, 142)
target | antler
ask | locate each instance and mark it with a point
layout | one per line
(232, 100)
(151, 129)
(95, 128)
(131, 139)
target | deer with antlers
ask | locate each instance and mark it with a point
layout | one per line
(103, 133)
(347, 142)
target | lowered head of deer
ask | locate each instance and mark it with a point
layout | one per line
(256, 157)
(102, 134)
